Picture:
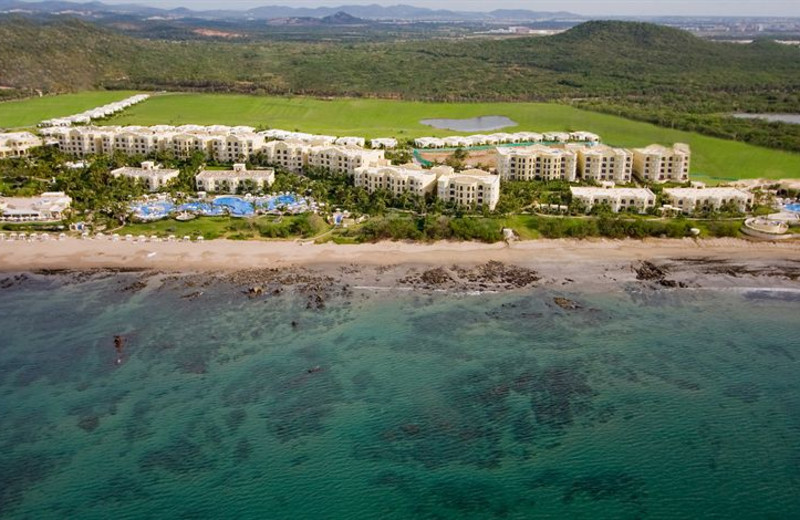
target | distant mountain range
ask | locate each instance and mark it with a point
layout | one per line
(366, 12)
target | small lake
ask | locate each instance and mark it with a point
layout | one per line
(474, 124)
(782, 118)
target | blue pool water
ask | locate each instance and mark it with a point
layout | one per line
(793, 207)
(235, 206)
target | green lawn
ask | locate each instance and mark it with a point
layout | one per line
(227, 227)
(29, 112)
(713, 159)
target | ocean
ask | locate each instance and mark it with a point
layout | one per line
(395, 404)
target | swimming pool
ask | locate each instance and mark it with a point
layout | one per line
(236, 206)
(794, 207)
(227, 204)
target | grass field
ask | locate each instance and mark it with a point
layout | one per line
(29, 112)
(713, 159)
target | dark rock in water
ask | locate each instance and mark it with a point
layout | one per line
(314, 370)
(255, 290)
(119, 343)
(671, 284)
(567, 304)
(649, 271)
(295, 324)
(89, 424)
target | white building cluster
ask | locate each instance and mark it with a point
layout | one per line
(618, 199)
(598, 162)
(47, 207)
(457, 141)
(231, 181)
(698, 197)
(221, 143)
(18, 144)
(152, 175)
(95, 113)
(467, 188)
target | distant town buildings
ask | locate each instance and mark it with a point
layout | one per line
(537, 162)
(617, 199)
(235, 180)
(153, 176)
(470, 188)
(17, 144)
(657, 163)
(49, 206)
(698, 197)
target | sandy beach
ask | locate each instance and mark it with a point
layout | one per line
(691, 263)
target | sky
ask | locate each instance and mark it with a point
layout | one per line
(586, 7)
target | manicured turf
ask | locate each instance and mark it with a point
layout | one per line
(713, 159)
(29, 112)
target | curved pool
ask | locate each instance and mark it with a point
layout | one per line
(793, 207)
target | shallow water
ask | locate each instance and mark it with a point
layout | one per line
(638, 405)
(782, 118)
(474, 124)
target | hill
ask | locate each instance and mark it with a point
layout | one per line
(595, 58)
(643, 71)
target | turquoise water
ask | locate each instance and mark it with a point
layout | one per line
(397, 405)
(235, 206)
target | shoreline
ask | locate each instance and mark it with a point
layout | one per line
(459, 267)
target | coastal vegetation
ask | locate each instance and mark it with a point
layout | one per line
(532, 209)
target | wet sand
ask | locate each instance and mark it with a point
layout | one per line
(690, 263)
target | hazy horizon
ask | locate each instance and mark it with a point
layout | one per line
(583, 7)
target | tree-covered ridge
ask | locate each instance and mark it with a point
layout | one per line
(591, 59)
(639, 70)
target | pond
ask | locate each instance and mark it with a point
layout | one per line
(474, 124)
(782, 118)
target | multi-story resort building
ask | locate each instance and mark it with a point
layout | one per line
(290, 155)
(344, 159)
(536, 162)
(17, 144)
(688, 200)
(470, 187)
(618, 199)
(409, 178)
(152, 175)
(47, 207)
(657, 163)
(237, 179)
(604, 163)
(222, 143)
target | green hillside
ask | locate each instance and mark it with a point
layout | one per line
(596, 58)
